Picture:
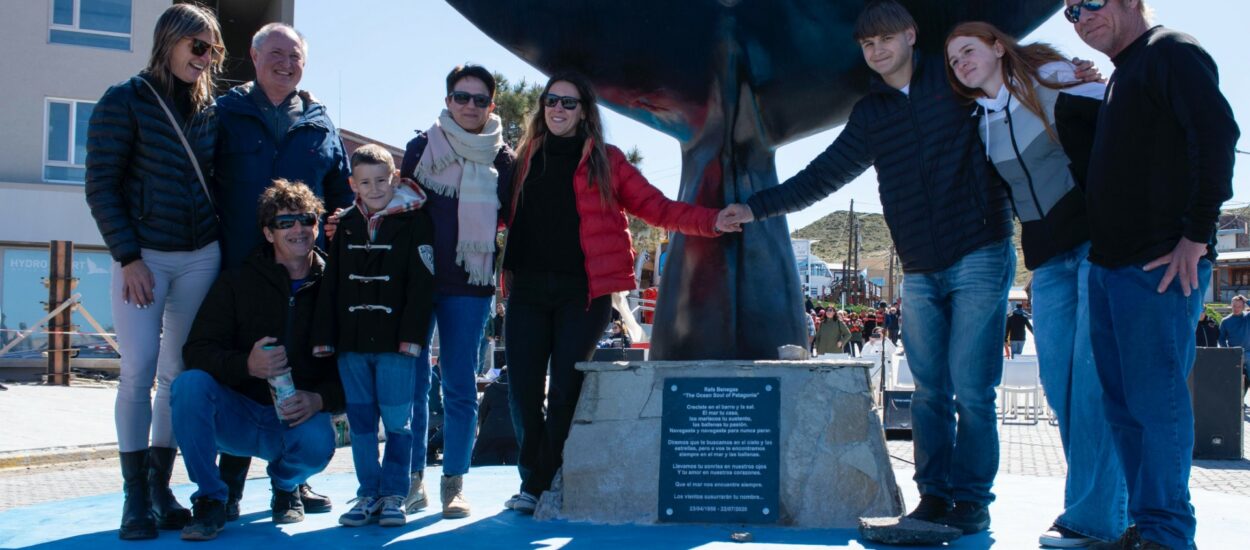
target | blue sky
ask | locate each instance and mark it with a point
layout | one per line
(380, 66)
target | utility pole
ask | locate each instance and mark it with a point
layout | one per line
(850, 248)
(889, 281)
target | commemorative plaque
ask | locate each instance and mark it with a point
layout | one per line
(720, 450)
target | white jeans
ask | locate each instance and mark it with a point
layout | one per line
(151, 341)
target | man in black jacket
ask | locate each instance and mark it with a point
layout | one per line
(253, 329)
(1161, 167)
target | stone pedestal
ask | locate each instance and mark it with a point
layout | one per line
(834, 467)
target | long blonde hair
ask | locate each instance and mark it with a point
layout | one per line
(180, 21)
(1020, 66)
(591, 127)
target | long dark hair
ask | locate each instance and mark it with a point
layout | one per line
(1020, 66)
(177, 22)
(591, 126)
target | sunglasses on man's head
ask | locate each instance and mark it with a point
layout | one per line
(200, 47)
(462, 98)
(569, 103)
(1073, 12)
(287, 221)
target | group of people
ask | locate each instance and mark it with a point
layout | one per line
(227, 198)
(1232, 332)
(227, 296)
(1118, 196)
(838, 331)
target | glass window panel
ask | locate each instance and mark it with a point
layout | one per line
(74, 38)
(63, 12)
(21, 295)
(95, 276)
(82, 117)
(104, 15)
(58, 131)
(64, 174)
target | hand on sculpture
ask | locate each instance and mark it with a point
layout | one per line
(725, 223)
(1086, 71)
(733, 216)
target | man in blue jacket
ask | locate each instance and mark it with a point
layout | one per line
(1235, 332)
(950, 219)
(269, 129)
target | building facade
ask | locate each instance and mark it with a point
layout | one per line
(59, 58)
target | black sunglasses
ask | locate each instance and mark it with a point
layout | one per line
(1073, 12)
(569, 103)
(462, 98)
(200, 47)
(287, 221)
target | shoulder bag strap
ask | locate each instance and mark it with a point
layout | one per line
(178, 129)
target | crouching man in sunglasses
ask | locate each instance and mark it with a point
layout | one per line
(249, 347)
(1164, 145)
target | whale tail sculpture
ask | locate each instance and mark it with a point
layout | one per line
(732, 80)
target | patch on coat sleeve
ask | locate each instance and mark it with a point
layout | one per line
(427, 256)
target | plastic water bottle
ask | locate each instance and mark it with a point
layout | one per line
(281, 387)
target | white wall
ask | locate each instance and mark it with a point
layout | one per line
(34, 69)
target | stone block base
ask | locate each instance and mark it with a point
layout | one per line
(834, 468)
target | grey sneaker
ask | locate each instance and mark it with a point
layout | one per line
(452, 494)
(416, 499)
(363, 513)
(522, 502)
(1059, 536)
(391, 511)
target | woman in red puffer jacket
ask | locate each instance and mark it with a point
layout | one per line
(568, 250)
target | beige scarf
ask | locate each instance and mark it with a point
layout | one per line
(457, 163)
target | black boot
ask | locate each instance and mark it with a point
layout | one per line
(234, 474)
(165, 508)
(137, 521)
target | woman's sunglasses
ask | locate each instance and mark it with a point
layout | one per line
(287, 221)
(569, 103)
(462, 98)
(200, 47)
(1073, 12)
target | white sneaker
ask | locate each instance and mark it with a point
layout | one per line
(363, 513)
(391, 512)
(522, 502)
(416, 499)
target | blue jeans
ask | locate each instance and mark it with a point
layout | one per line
(1017, 347)
(461, 321)
(955, 324)
(210, 417)
(1144, 350)
(379, 384)
(1095, 498)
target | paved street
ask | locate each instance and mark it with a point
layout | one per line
(1027, 450)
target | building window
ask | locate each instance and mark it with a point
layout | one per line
(22, 294)
(93, 23)
(65, 146)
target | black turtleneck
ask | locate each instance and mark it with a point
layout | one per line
(546, 234)
(180, 95)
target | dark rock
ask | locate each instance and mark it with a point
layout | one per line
(906, 531)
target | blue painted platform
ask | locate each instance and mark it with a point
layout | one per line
(1025, 506)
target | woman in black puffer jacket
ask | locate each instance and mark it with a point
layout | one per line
(154, 212)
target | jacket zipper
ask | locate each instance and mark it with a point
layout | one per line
(924, 179)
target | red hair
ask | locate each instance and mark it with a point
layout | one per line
(1020, 66)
